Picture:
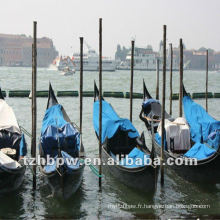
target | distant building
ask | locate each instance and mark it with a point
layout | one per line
(196, 59)
(16, 50)
(145, 58)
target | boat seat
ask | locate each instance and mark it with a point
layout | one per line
(8, 162)
(9, 152)
(120, 143)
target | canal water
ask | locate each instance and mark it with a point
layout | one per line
(177, 198)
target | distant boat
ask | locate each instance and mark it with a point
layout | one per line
(64, 62)
(215, 71)
(91, 62)
(67, 71)
(12, 149)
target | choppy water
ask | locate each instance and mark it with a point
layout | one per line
(88, 201)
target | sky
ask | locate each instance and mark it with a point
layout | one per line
(64, 21)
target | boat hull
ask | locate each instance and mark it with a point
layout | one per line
(205, 172)
(66, 185)
(70, 73)
(142, 179)
(11, 180)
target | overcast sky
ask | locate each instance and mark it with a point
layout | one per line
(196, 21)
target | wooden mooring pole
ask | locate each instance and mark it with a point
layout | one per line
(132, 76)
(81, 88)
(207, 71)
(100, 101)
(34, 103)
(171, 77)
(163, 106)
(158, 78)
(181, 80)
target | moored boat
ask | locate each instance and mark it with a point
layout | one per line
(195, 140)
(60, 140)
(121, 141)
(13, 149)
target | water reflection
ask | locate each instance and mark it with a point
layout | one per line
(57, 207)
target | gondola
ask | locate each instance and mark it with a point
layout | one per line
(60, 138)
(12, 149)
(202, 154)
(121, 139)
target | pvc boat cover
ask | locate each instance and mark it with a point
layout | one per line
(136, 158)
(68, 161)
(57, 132)
(10, 133)
(179, 131)
(111, 122)
(203, 129)
(152, 107)
(8, 120)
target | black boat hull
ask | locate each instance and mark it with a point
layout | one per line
(11, 180)
(143, 179)
(66, 185)
(206, 172)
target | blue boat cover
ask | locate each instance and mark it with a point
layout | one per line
(157, 138)
(55, 128)
(70, 162)
(137, 159)
(203, 127)
(23, 146)
(149, 101)
(199, 151)
(111, 122)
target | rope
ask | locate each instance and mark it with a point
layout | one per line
(93, 169)
(25, 131)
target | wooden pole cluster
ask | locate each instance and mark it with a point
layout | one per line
(163, 105)
(181, 80)
(207, 69)
(132, 76)
(157, 84)
(171, 77)
(100, 100)
(81, 87)
(34, 103)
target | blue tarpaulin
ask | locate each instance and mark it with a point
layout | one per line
(149, 101)
(54, 129)
(202, 125)
(158, 140)
(136, 158)
(111, 122)
(199, 151)
(23, 146)
(53, 116)
(70, 162)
